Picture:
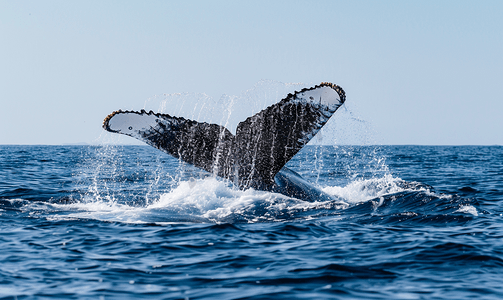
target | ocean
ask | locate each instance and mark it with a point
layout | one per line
(130, 222)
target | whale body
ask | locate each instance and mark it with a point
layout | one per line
(256, 155)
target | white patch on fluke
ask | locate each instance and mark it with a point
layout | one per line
(131, 124)
(323, 96)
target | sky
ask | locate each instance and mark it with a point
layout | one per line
(414, 72)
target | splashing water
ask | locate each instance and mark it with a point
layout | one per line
(138, 184)
(147, 181)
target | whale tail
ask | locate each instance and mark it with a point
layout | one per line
(263, 143)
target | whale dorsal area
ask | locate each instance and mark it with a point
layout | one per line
(263, 143)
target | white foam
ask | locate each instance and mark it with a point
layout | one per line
(209, 197)
(468, 209)
(364, 190)
(100, 210)
(215, 199)
(205, 199)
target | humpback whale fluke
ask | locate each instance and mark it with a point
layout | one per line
(263, 143)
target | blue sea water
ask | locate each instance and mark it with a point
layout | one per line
(129, 222)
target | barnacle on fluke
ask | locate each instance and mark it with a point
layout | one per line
(263, 143)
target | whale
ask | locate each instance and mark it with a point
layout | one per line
(256, 155)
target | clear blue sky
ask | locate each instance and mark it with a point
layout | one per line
(420, 72)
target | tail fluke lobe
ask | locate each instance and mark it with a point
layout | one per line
(206, 146)
(266, 141)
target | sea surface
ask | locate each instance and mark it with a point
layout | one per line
(129, 222)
